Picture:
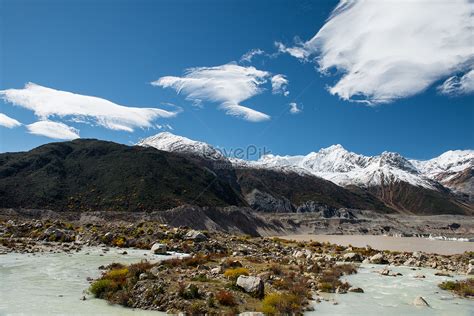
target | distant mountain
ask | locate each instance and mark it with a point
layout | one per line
(173, 143)
(168, 171)
(453, 169)
(92, 175)
(406, 185)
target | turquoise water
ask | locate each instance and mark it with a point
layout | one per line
(387, 295)
(53, 284)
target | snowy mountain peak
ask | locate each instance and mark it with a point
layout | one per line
(167, 141)
(395, 160)
(341, 166)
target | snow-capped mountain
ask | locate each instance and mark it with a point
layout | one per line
(347, 168)
(173, 143)
(453, 169)
(337, 164)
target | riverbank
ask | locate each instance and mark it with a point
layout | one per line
(223, 273)
(391, 243)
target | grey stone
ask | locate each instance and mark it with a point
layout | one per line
(251, 284)
(158, 249)
(195, 235)
(420, 301)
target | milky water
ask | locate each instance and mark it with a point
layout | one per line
(387, 295)
(53, 284)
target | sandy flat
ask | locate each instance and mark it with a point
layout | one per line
(379, 242)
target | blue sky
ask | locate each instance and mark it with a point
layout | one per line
(114, 50)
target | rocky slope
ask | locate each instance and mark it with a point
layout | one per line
(409, 186)
(92, 175)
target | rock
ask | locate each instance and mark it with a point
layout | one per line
(195, 235)
(355, 290)
(340, 290)
(420, 301)
(217, 270)
(470, 269)
(108, 237)
(419, 276)
(298, 254)
(377, 259)
(251, 284)
(158, 249)
(410, 262)
(418, 255)
(444, 274)
(385, 272)
(251, 314)
(351, 256)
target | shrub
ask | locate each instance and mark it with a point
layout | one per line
(226, 298)
(281, 303)
(276, 269)
(117, 275)
(100, 287)
(188, 292)
(233, 274)
(463, 288)
(134, 270)
(200, 278)
(188, 261)
(197, 308)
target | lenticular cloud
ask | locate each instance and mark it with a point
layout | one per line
(388, 50)
(46, 103)
(227, 85)
(53, 130)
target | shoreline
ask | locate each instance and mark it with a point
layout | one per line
(391, 243)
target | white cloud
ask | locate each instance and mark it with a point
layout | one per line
(387, 50)
(279, 85)
(227, 85)
(248, 56)
(457, 85)
(296, 51)
(47, 102)
(294, 108)
(53, 130)
(8, 122)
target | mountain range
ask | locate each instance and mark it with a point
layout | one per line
(166, 171)
(401, 183)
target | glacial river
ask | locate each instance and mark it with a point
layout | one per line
(53, 284)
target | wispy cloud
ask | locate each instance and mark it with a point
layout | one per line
(294, 109)
(248, 56)
(8, 122)
(53, 130)
(280, 85)
(48, 102)
(388, 50)
(457, 85)
(228, 85)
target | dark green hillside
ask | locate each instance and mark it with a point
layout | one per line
(98, 175)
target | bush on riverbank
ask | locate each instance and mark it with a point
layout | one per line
(463, 288)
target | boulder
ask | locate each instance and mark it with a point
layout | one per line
(420, 301)
(158, 249)
(470, 269)
(377, 259)
(410, 262)
(251, 284)
(195, 235)
(351, 256)
(419, 255)
(355, 290)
